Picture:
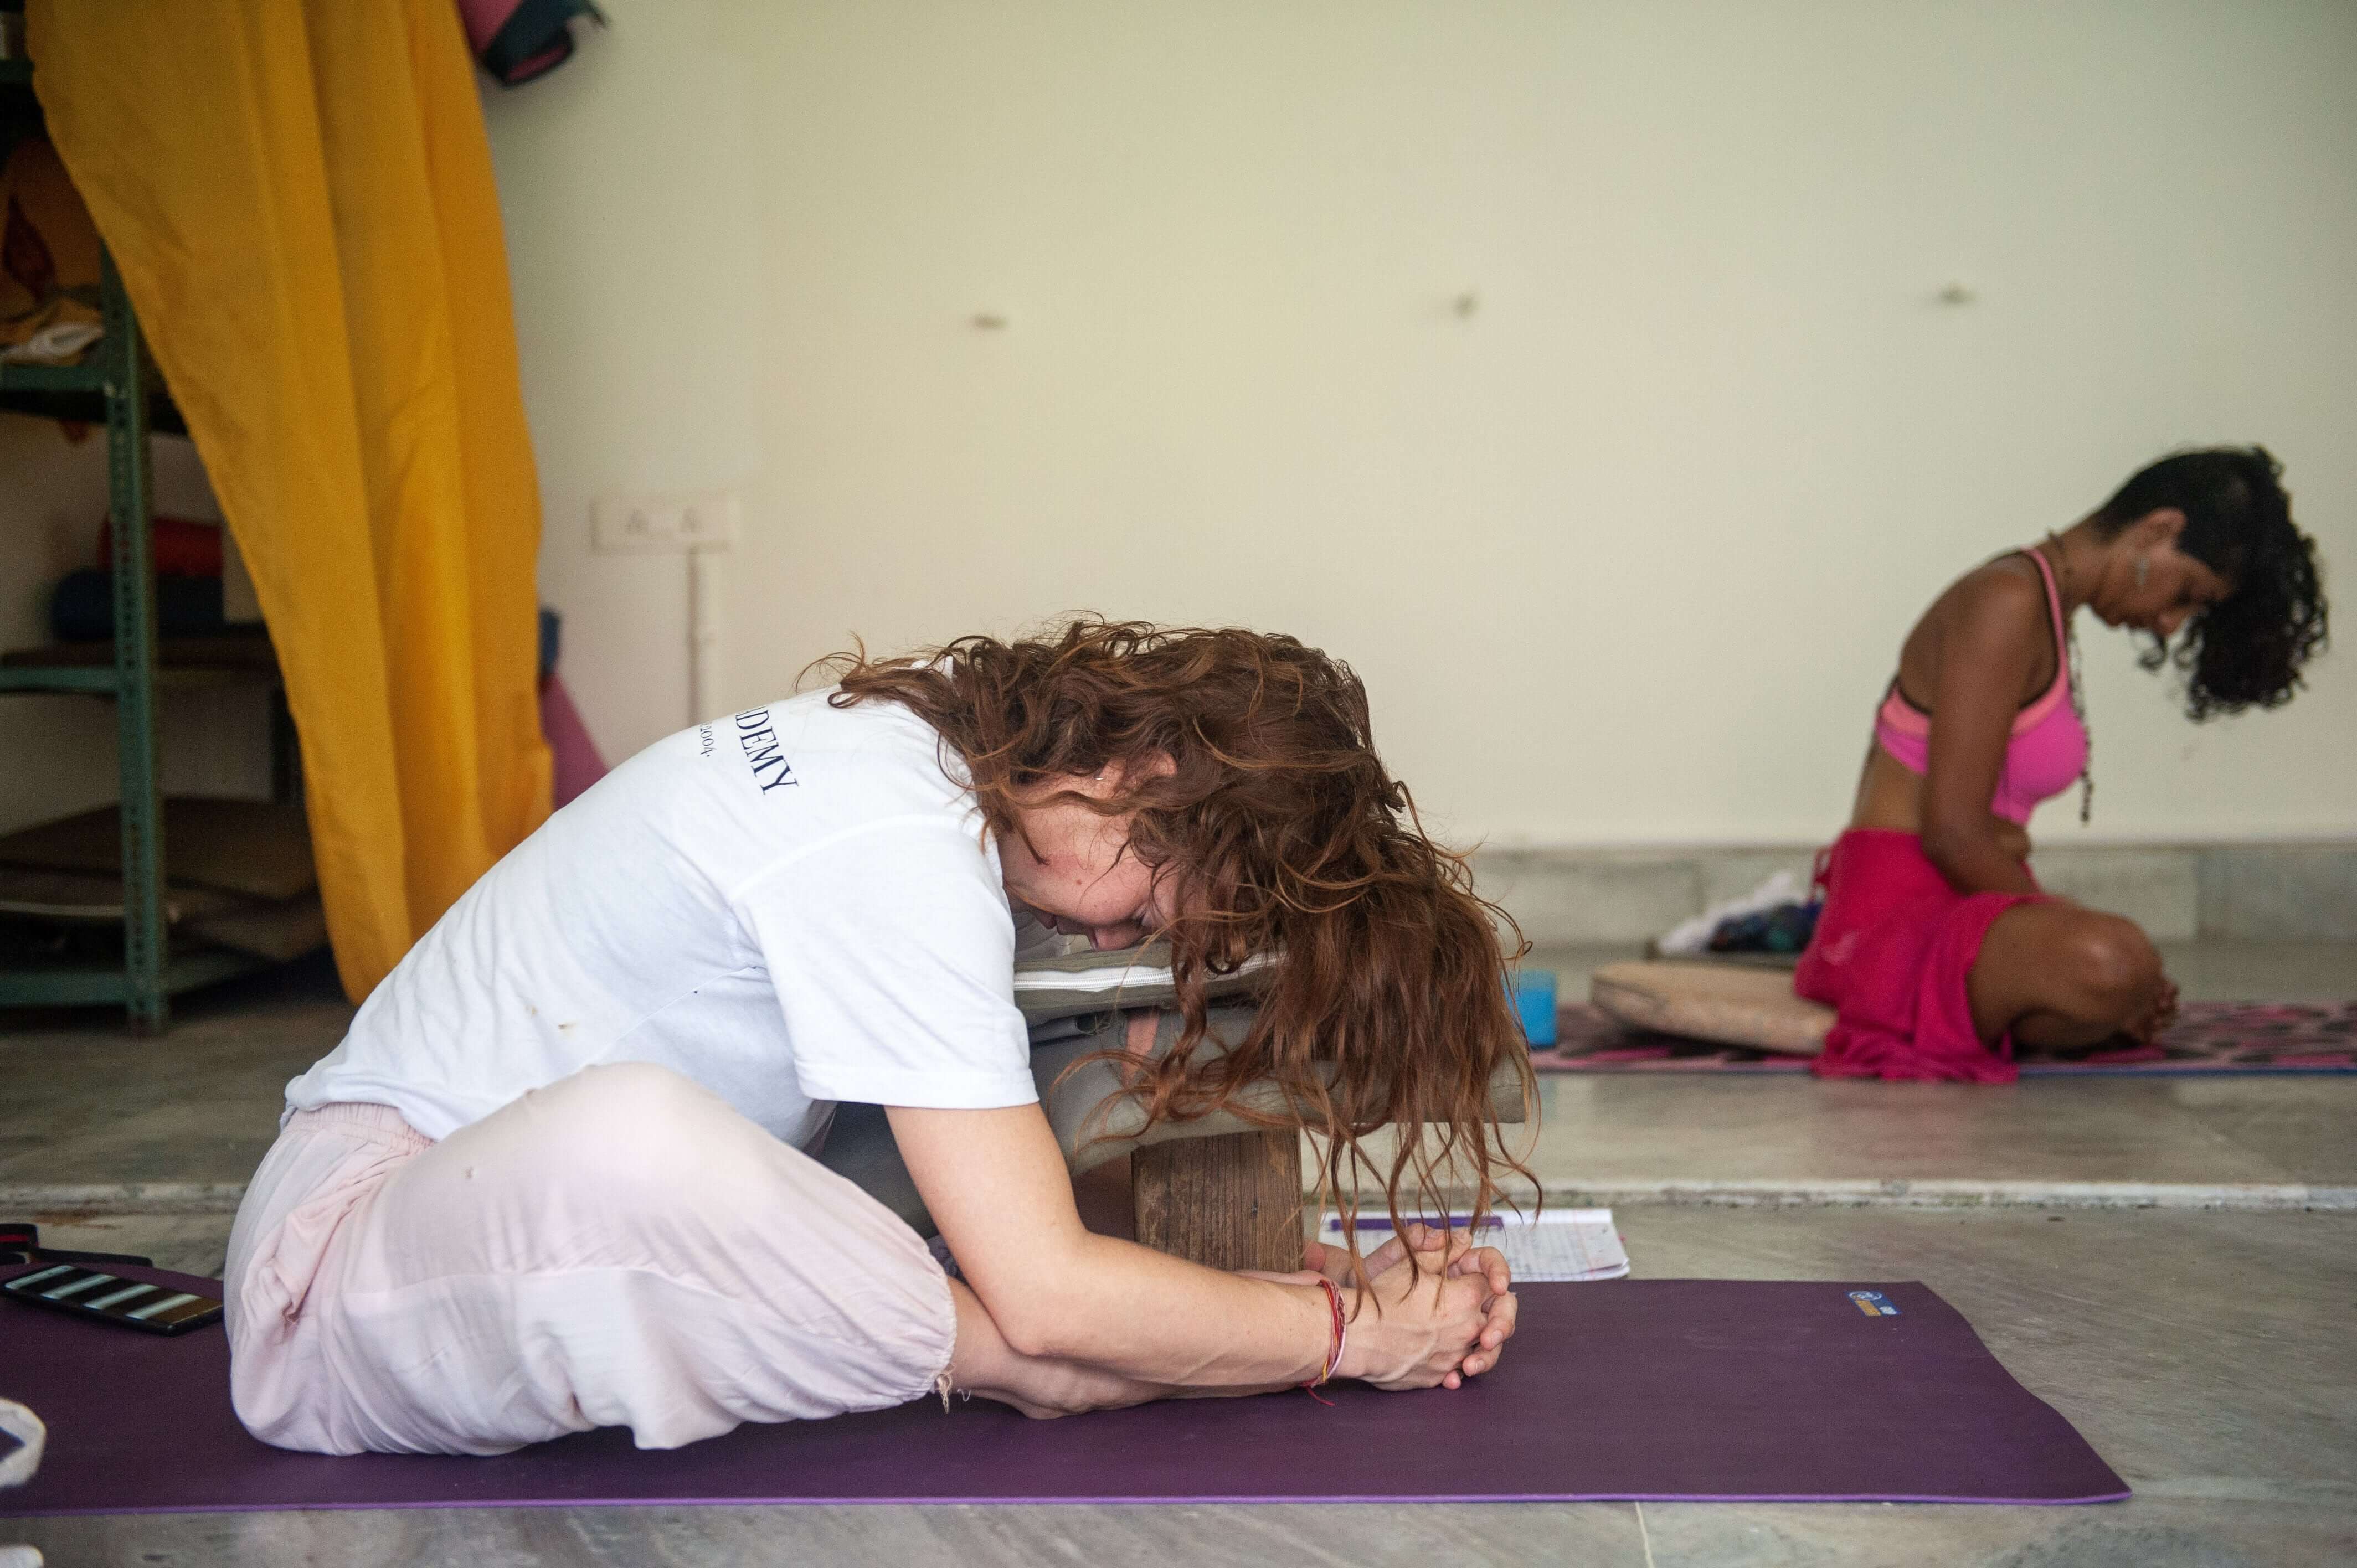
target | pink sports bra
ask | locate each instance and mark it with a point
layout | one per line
(2048, 750)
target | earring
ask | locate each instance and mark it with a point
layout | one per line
(2144, 569)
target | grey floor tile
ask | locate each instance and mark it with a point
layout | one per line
(1330, 1536)
(2236, 971)
(2295, 890)
(1722, 1128)
(190, 1243)
(2140, 1533)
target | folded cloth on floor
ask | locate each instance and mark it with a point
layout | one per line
(1782, 929)
(1694, 936)
(1706, 1390)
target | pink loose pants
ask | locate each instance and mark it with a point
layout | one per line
(618, 1249)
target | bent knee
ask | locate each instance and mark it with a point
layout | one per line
(630, 1094)
(2114, 964)
(635, 1126)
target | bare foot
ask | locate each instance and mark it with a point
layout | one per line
(2156, 1021)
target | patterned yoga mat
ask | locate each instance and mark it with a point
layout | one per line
(2210, 1037)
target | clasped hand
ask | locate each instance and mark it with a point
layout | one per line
(1440, 1323)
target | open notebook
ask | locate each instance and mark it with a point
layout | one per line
(1554, 1244)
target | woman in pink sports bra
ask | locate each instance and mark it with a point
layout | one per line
(1936, 946)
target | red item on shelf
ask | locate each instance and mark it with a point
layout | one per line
(182, 548)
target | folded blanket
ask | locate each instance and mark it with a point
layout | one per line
(1081, 984)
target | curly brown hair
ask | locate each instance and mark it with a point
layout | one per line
(2251, 648)
(1285, 835)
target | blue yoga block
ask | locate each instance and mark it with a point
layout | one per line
(1533, 993)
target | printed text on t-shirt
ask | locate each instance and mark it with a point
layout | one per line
(761, 746)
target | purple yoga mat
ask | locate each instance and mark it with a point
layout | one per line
(1653, 1389)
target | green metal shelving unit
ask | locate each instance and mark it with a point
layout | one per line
(112, 385)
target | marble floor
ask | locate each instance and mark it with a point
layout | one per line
(2169, 1262)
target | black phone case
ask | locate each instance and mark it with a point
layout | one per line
(28, 1288)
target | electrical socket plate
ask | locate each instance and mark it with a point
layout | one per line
(664, 525)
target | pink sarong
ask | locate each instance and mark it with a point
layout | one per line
(1891, 953)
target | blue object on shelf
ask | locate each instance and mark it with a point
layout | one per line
(1533, 993)
(82, 609)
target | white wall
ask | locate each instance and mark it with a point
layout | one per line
(57, 753)
(1625, 554)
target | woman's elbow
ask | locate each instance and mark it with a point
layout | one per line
(1033, 1321)
(1031, 1333)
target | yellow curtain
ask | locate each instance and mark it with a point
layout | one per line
(298, 195)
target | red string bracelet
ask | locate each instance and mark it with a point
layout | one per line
(1341, 1334)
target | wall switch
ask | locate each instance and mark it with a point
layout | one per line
(708, 521)
(661, 525)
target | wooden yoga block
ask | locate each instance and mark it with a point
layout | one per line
(1231, 1201)
(1730, 1004)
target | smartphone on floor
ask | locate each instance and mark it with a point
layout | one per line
(110, 1298)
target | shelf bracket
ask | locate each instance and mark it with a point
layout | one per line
(146, 938)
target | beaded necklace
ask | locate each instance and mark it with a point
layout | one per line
(2078, 694)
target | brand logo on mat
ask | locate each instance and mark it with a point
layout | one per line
(1873, 1303)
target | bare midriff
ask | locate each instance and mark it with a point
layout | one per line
(1889, 797)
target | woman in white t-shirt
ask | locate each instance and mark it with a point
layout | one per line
(555, 1177)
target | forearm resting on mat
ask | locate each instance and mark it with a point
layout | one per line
(994, 1181)
(1043, 1387)
(983, 1363)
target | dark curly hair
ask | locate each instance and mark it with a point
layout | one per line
(2248, 650)
(1286, 834)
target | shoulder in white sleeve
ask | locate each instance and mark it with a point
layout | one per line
(891, 949)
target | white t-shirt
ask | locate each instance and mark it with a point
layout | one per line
(792, 905)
